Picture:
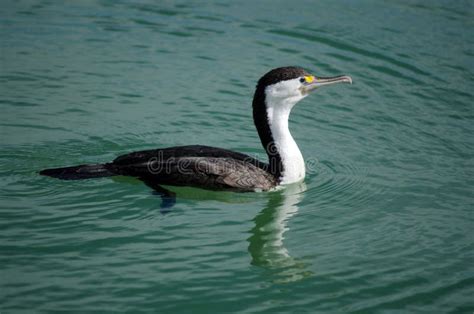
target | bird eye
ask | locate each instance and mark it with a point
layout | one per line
(302, 80)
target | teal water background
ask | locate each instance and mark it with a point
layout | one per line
(383, 222)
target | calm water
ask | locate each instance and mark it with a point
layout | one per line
(384, 221)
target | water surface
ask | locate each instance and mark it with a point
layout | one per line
(382, 223)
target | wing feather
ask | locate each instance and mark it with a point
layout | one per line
(199, 166)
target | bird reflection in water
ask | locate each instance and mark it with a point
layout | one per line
(266, 245)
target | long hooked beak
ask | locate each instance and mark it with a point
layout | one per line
(313, 83)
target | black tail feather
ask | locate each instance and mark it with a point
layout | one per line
(78, 172)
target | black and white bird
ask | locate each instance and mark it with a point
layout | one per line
(213, 168)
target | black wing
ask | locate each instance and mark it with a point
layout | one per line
(196, 165)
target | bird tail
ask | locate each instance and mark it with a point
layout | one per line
(78, 172)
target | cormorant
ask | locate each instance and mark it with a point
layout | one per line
(221, 169)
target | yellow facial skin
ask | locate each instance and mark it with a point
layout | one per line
(309, 78)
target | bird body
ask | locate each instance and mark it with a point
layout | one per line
(198, 166)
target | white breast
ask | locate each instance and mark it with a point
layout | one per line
(278, 111)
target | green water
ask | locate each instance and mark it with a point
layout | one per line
(383, 222)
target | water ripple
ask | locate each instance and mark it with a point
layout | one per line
(341, 46)
(382, 223)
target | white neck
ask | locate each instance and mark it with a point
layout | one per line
(278, 111)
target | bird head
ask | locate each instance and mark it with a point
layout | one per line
(287, 85)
